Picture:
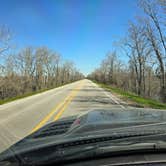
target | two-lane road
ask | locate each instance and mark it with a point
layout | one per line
(21, 117)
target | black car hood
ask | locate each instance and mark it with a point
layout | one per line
(118, 117)
(101, 119)
(95, 122)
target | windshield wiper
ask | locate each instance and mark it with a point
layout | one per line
(82, 148)
(93, 152)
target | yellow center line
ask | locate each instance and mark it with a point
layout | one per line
(66, 104)
(47, 117)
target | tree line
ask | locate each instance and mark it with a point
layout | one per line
(145, 47)
(31, 69)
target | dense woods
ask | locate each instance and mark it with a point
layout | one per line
(145, 47)
(31, 69)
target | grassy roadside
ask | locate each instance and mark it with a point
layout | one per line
(27, 95)
(130, 97)
(21, 96)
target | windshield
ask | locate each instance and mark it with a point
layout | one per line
(72, 69)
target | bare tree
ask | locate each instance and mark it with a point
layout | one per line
(156, 37)
(138, 55)
(150, 8)
(153, 41)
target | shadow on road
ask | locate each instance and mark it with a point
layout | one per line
(86, 90)
(92, 100)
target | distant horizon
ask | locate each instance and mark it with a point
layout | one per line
(81, 31)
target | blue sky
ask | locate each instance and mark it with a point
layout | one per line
(80, 30)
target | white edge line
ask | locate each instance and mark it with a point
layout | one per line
(108, 95)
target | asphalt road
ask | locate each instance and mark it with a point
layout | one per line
(24, 116)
